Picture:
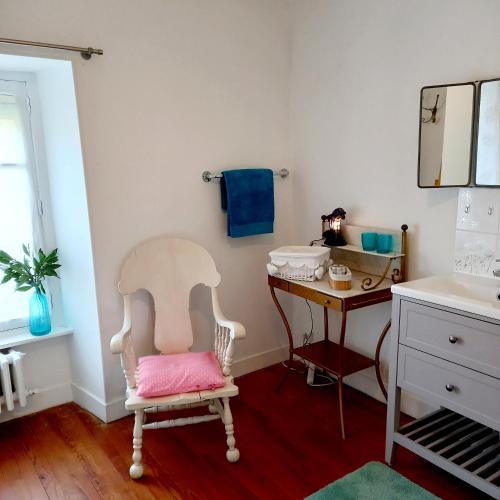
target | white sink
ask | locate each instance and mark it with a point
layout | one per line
(465, 292)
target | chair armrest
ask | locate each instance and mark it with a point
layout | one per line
(236, 329)
(226, 333)
(117, 344)
(121, 343)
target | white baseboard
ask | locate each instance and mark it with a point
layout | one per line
(257, 361)
(115, 409)
(107, 412)
(44, 398)
(89, 402)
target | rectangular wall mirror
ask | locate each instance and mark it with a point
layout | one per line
(445, 136)
(488, 134)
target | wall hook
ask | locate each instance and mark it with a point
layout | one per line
(490, 210)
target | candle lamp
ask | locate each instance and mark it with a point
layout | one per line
(333, 235)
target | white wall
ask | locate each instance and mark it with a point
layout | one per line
(357, 68)
(184, 86)
(47, 370)
(71, 223)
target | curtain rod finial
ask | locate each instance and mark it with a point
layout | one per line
(87, 54)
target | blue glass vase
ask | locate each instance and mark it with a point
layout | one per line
(39, 320)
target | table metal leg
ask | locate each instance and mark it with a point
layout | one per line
(325, 321)
(339, 378)
(341, 407)
(385, 331)
(290, 338)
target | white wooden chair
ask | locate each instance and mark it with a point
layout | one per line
(169, 269)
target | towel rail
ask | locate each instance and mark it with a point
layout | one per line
(207, 176)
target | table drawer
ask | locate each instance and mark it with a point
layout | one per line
(278, 283)
(460, 389)
(314, 296)
(467, 341)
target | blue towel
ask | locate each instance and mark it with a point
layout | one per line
(248, 197)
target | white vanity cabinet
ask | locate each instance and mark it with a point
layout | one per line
(451, 359)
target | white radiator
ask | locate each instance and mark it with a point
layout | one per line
(13, 388)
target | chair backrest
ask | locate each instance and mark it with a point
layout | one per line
(169, 268)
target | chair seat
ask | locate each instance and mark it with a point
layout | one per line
(135, 402)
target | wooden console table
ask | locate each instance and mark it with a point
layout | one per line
(326, 354)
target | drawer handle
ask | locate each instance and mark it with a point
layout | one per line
(450, 387)
(452, 339)
(327, 301)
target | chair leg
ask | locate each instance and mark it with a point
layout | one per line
(136, 469)
(232, 454)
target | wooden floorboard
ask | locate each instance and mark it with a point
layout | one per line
(289, 442)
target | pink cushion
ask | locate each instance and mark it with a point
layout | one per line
(167, 374)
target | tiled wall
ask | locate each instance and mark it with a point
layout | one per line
(477, 241)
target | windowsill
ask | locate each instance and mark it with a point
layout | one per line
(20, 336)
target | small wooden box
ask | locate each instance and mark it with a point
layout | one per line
(340, 285)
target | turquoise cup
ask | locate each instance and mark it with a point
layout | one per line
(369, 241)
(384, 243)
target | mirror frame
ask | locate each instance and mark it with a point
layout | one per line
(472, 133)
(476, 134)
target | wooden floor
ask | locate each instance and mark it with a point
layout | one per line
(289, 442)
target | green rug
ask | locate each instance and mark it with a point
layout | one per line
(373, 481)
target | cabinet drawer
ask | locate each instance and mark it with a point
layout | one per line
(453, 386)
(467, 341)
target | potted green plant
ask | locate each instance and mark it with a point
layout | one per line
(30, 274)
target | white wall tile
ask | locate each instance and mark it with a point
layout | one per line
(475, 252)
(478, 210)
(487, 210)
(466, 210)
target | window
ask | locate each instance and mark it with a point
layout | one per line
(20, 221)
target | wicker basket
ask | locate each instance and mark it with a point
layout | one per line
(299, 263)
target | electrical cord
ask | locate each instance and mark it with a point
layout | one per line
(307, 338)
(329, 380)
(306, 341)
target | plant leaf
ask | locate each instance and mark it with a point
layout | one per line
(6, 277)
(52, 255)
(26, 250)
(23, 288)
(5, 258)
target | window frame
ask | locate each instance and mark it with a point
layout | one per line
(36, 162)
